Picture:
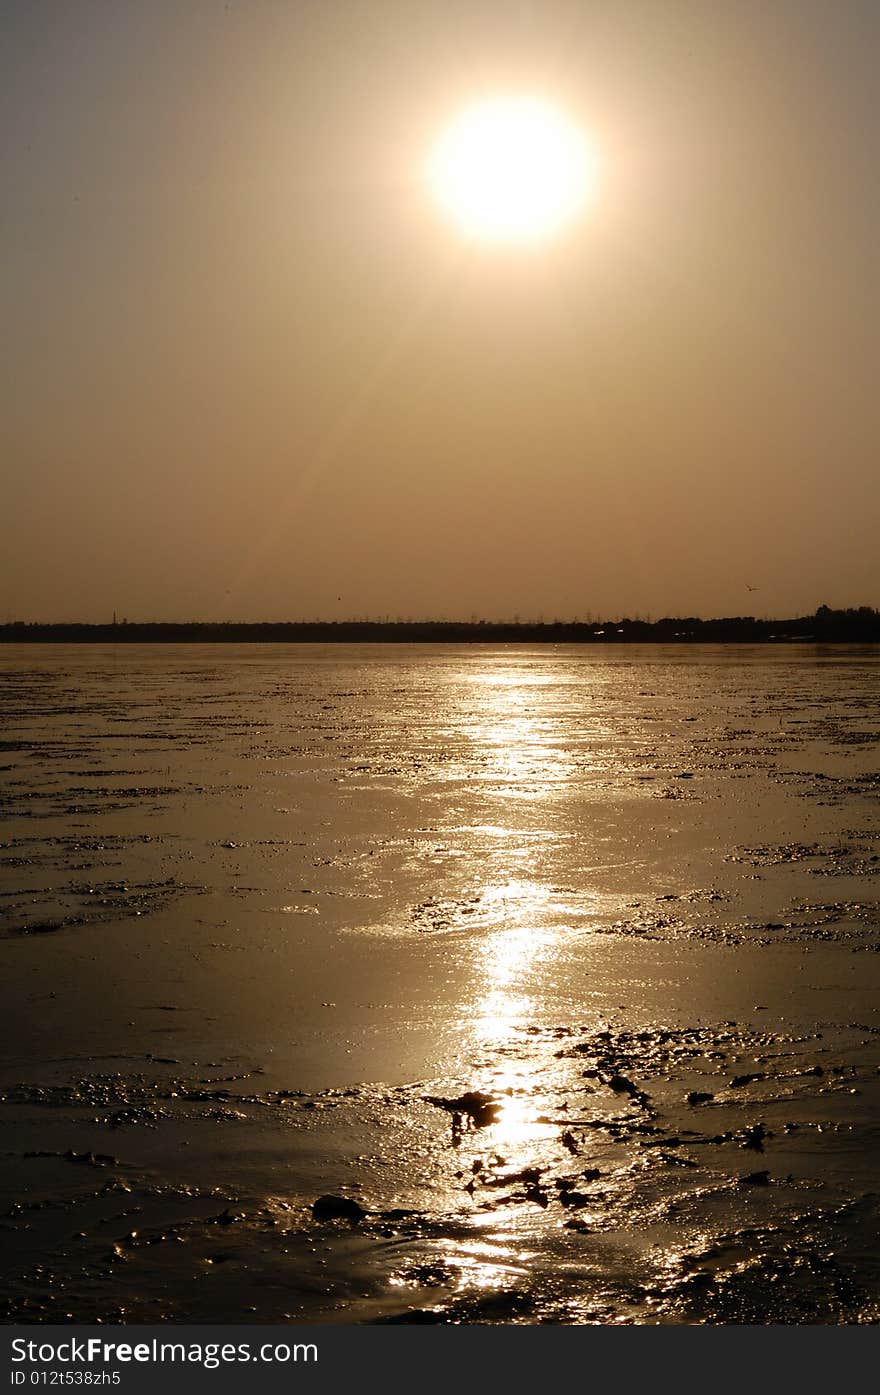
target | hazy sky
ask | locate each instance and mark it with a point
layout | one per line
(251, 371)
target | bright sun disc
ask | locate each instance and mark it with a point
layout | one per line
(511, 169)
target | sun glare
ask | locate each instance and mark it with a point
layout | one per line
(512, 169)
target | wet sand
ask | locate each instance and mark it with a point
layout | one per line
(559, 967)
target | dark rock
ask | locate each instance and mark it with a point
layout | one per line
(87, 1159)
(538, 1195)
(622, 1085)
(694, 1097)
(529, 1175)
(478, 1108)
(332, 1208)
(753, 1137)
(226, 1217)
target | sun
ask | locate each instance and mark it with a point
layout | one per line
(512, 169)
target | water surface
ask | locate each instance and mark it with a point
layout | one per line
(262, 907)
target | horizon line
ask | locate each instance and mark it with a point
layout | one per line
(823, 614)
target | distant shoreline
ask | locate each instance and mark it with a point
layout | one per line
(861, 626)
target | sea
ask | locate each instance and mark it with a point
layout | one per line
(440, 984)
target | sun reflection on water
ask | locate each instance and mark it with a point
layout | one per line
(511, 961)
(509, 958)
(515, 736)
(518, 922)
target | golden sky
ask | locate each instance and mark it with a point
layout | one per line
(254, 371)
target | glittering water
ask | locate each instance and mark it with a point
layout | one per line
(561, 963)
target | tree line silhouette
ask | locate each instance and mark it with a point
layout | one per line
(856, 625)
